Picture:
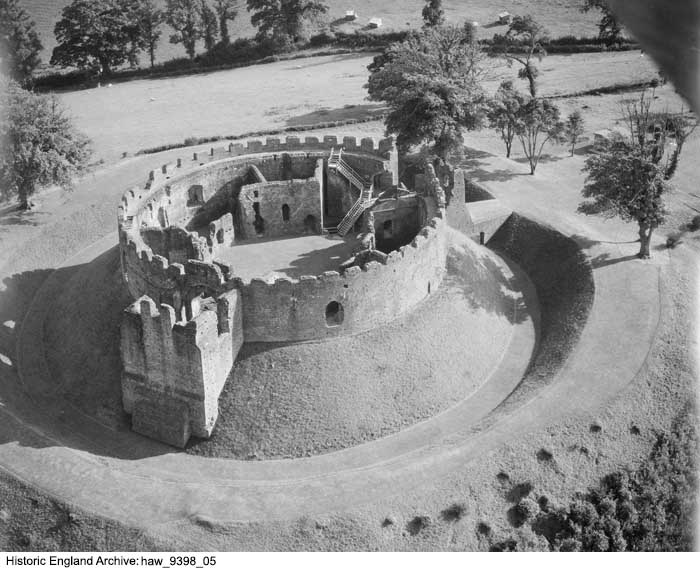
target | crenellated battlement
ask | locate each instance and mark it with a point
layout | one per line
(192, 313)
(174, 371)
(384, 148)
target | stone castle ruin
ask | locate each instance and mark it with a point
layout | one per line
(180, 243)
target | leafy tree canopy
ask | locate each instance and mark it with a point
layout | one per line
(537, 123)
(573, 129)
(433, 14)
(150, 19)
(210, 27)
(432, 85)
(40, 146)
(524, 41)
(609, 28)
(504, 110)
(19, 42)
(98, 34)
(226, 10)
(629, 175)
(283, 20)
(185, 17)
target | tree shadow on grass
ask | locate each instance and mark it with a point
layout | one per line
(348, 112)
(544, 159)
(309, 62)
(13, 217)
(502, 175)
(605, 260)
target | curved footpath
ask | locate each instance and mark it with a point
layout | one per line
(160, 486)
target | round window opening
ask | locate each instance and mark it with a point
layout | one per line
(334, 314)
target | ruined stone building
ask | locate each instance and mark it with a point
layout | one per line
(180, 241)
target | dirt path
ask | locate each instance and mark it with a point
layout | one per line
(157, 486)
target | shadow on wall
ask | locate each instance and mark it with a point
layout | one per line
(348, 112)
(85, 310)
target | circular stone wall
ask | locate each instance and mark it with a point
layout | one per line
(166, 258)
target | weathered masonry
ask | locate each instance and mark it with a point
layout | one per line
(192, 313)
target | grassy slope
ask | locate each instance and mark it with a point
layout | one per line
(561, 17)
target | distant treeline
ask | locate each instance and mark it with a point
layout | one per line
(249, 51)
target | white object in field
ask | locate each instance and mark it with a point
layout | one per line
(504, 18)
(475, 24)
(350, 15)
(606, 134)
(375, 23)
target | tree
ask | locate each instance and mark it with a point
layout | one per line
(150, 19)
(19, 43)
(628, 175)
(536, 124)
(573, 129)
(185, 18)
(431, 82)
(283, 20)
(527, 36)
(40, 146)
(226, 10)
(609, 28)
(210, 26)
(433, 14)
(97, 34)
(504, 111)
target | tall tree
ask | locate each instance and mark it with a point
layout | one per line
(609, 28)
(210, 26)
(523, 42)
(41, 147)
(185, 17)
(629, 175)
(19, 43)
(504, 110)
(226, 10)
(433, 14)
(97, 34)
(573, 129)
(537, 124)
(283, 20)
(432, 84)
(150, 19)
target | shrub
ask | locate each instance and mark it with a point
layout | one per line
(673, 240)
(455, 512)
(527, 509)
(694, 224)
(418, 524)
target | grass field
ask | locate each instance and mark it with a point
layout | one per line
(145, 113)
(561, 17)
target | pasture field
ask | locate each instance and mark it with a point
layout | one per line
(561, 17)
(150, 112)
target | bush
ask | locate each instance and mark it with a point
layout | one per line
(418, 524)
(650, 509)
(455, 512)
(694, 224)
(673, 240)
